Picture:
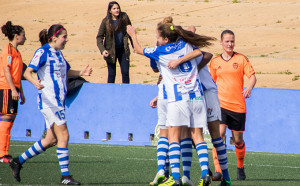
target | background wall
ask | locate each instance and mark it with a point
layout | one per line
(97, 109)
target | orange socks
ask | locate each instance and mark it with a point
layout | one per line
(5, 128)
(240, 151)
(216, 160)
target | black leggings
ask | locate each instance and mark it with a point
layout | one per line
(124, 65)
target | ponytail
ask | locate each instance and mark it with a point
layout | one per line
(47, 35)
(167, 29)
(9, 30)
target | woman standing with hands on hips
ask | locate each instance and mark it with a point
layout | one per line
(112, 41)
(52, 70)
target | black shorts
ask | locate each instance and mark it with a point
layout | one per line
(234, 120)
(7, 104)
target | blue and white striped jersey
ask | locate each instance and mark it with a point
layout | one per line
(182, 83)
(51, 68)
(206, 80)
(162, 94)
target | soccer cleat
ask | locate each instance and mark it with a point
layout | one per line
(160, 176)
(5, 158)
(205, 181)
(186, 181)
(16, 167)
(241, 174)
(225, 182)
(68, 180)
(217, 176)
(171, 182)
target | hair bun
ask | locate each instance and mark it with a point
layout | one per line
(6, 29)
(167, 20)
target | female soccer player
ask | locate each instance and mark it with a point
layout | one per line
(112, 41)
(52, 70)
(228, 70)
(11, 66)
(186, 107)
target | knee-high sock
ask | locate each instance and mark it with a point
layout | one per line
(63, 159)
(34, 150)
(162, 152)
(5, 127)
(203, 157)
(186, 148)
(216, 160)
(240, 151)
(167, 164)
(221, 156)
(174, 156)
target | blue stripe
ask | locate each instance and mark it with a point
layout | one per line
(165, 92)
(40, 101)
(28, 154)
(34, 150)
(40, 144)
(56, 86)
(178, 96)
(64, 158)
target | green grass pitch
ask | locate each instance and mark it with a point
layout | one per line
(131, 165)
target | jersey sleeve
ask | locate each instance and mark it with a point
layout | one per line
(7, 57)
(153, 63)
(39, 59)
(213, 71)
(151, 53)
(248, 69)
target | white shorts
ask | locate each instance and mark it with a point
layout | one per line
(54, 115)
(212, 105)
(190, 113)
(162, 105)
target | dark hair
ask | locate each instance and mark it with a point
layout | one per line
(9, 30)
(122, 20)
(46, 35)
(226, 32)
(167, 29)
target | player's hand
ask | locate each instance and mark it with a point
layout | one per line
(131, 30)
(86, 71)
(247, 93)
(105, 53)
(15, 95)
(22, 98)
(173, 64)
(153, 102)
(38, 85)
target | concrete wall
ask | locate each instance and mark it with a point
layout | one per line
(97, 109)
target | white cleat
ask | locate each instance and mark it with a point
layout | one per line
(186, 181)
(160, 176)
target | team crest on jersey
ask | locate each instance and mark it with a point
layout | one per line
(235, 65)
(219, 67)
(150, 50)
(185, 67)
(9, 59)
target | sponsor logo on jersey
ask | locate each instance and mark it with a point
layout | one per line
(9, 59)
(150, 50)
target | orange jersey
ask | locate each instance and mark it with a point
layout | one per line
(229, 77)
(12, 58)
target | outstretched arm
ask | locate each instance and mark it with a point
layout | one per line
(132, 32)
(205, 60)
(86, 71)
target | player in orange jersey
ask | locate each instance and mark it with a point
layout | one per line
(11, 66)
(228, 70)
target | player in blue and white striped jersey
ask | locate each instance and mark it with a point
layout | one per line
(186, 107)
(52, 70)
